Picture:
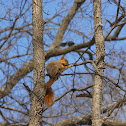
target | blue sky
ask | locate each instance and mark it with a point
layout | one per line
(85, 25)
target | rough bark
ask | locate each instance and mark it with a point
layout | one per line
(100, 54)
(37, 97)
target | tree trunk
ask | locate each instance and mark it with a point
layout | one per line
(100, 54)
(37, 96)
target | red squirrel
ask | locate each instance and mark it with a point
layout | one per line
(54, 68)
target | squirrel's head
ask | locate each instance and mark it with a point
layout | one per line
(64, 62)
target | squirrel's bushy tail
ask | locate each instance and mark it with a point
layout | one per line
(49, 98)
(50, 82)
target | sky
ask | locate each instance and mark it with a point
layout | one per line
(50, 8)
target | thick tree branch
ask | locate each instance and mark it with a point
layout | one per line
(66, 21)
(19, 74)
(56, 52)
(28, 67)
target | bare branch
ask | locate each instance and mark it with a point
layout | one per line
(107, 37)
(86, 120)
(66, 21)
(12, 109)
(117, 10)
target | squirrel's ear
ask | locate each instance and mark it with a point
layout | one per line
(62, 57)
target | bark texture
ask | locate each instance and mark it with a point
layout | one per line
(100, 54)
(37, 97)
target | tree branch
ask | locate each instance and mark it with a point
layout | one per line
(66, 21)
(86, 120)
(28, 67)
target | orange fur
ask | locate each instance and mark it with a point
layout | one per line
(54, 68)
(49, 97)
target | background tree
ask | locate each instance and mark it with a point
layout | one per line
(100, 55)
(69, 31)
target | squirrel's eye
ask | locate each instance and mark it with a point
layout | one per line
(64, 65)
